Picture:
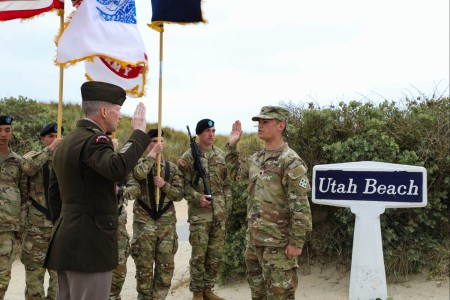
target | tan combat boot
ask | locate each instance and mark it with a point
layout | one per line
(197, 296)
(209, 295)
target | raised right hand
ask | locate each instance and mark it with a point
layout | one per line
(236, 132)
(138, 121)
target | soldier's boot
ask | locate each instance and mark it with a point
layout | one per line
(198, 296)
(209, 295)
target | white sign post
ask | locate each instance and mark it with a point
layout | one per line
(367, 188)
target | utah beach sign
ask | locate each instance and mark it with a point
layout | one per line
(367, 188)
(394, 185)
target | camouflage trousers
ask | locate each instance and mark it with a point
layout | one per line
(207, 241)
(9, 246)
(34, 247)
(119, 274)
(153, 248)
(270, 273)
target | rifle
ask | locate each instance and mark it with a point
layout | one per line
(198, 165)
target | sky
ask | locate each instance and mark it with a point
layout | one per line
(253, 53)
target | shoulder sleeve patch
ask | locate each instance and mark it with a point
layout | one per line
(293, 165)
(182, 162)
(298, 171)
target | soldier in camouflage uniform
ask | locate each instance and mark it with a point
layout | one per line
(120, 272)
(155, 239)
(13, 197)
(206, 218)
(278, 211)
(39, 226)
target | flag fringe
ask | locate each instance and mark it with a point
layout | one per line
(134, 92)
(122, 63)
(156, 25)
(58, 11)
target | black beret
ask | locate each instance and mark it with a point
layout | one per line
(6, 120)
(50, 128)
(203, 124)
(152, 133)
(102, 91)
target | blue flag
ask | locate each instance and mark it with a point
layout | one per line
(175, 11)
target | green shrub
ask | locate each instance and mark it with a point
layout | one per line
(415, 132)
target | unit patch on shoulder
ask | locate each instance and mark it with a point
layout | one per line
(182, 162)
(102, 137)
(303, 183)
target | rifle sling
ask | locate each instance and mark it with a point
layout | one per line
(155, 215)
(41, 208)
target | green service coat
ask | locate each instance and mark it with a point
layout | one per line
(82, 198)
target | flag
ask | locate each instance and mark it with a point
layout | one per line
(131, 79)
(175, 11)
(22, 9)
(108, 32)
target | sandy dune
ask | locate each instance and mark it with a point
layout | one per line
(319, 284)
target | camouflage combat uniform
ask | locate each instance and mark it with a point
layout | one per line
(119, 274)
(38, 226)
(206, 224)
(278, 215)
(13, 193)
(155, 239)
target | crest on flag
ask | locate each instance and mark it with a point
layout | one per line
(23, 9)
(175, 11)
(104, 34)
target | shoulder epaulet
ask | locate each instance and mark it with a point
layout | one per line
(94, 130)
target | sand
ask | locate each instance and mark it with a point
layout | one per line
(318, 284)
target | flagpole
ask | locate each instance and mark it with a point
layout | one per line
(158, 156)
(61, 80)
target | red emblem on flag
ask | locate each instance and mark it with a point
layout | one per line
(128, 72)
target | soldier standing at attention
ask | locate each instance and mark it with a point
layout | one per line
(39, 226)
(155, 239)
(206, 217)
(13, 197)
(120, 272)
(278, 211)
(82, 194)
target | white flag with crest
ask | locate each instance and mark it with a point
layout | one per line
(105, 35)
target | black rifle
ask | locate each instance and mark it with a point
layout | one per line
(198, 165)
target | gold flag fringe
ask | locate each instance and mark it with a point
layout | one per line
(59, 12)
(156, 25)
(135, 90)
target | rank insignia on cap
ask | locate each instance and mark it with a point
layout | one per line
(303, 183)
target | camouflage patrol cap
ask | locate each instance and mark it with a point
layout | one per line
(272, 112)
(6, 120)
(50, 128)
(102, 91)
